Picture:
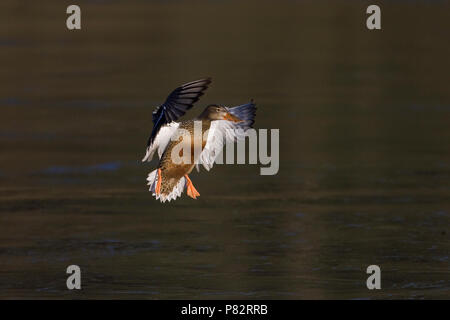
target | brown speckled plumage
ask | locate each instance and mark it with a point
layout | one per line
(171, 172)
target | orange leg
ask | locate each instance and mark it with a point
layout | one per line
(158, 184)
(191, 191)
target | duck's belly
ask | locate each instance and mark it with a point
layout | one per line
(176, 162)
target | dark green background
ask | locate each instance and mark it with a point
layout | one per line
(364, 150)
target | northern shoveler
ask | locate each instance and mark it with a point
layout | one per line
(168, 181)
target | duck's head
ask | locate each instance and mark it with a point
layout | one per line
(216, 112)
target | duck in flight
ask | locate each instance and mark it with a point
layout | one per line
(219, 125)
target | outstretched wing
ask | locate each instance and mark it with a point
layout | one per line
(161, 141)
(222, 132)
(177, 103)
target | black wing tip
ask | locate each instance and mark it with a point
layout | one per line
(207, 81)
(200, 82)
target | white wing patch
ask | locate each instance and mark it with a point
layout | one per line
(161, 141)
(221, 132)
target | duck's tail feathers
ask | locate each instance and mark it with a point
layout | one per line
(177, 189)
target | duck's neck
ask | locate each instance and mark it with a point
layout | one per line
(206, 121)
(204, 116)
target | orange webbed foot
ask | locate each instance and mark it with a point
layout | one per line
(158, 184)
(191, 191)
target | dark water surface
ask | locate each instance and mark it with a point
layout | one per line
(364, 140)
